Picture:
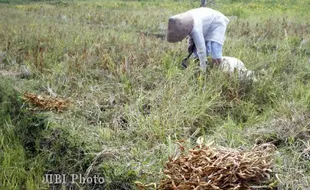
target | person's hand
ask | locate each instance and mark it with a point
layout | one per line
(191, 48)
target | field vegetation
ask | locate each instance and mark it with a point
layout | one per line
(131, 101)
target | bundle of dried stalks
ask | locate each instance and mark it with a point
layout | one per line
(46, 102)
(206, 167)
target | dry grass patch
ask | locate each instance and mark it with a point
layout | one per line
(43, 102)
(209, 167)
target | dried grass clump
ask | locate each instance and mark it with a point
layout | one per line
(42, 102)
(206, 167)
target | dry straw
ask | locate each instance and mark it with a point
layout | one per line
(206, 167)
(42, 102)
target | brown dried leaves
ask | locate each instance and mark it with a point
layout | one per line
(207, 167)
(42, 102)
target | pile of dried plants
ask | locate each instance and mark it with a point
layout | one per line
(206, 167)
(42, 102)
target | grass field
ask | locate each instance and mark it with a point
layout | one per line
(130, 101)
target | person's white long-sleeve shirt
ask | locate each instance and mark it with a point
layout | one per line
(209, 25)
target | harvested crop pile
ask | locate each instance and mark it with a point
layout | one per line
(46, 102)
(206, 167)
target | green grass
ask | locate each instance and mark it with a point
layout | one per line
(131, 100)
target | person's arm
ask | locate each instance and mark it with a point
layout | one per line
(199, 41)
